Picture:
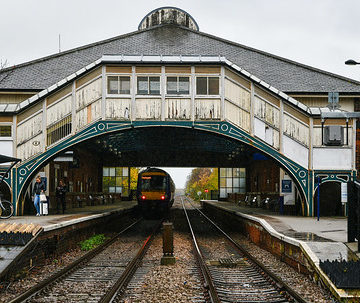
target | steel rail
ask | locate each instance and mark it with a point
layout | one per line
(130, 270)
(69, 268)
(281, 284)
(214, 298)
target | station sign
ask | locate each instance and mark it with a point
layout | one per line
(286, 186)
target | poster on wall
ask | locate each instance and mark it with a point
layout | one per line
(286, 186)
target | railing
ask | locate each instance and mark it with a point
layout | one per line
(78, 200)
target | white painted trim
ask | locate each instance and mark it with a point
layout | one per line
(281, 127)
(192, 93)
(28, 118)
(222, 92)
(103, 93)
(44, 122)
(73, 109)
(162, 92)
(133, 90)
(252, 115)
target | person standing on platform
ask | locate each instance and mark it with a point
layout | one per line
(39, 188)
(60, 197)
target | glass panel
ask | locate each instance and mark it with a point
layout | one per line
(236, 189)
(229, 190)
(242, 172)
(213, 85)
(228, 182)
(113, 85)
(242, 183)
(124, 85)
(118, 181)
(154, 85)
(125, 182)
(236, 182)
(171, 85)
(112, 171)
(105, 171)
(222, 172)
(142, 85)
(236, 172)
(229, 172)
(105, 182)
(118, 190)
(184, 85)
(153, 183)
(119, 171)
(125, 171)
(5, 131)
(112, 181)
(222, 193)
(201, 86)
(112, 189)
(222, 182)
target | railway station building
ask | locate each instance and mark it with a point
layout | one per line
(171, 95)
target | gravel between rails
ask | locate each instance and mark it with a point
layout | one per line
(37, 274)
(167, 283)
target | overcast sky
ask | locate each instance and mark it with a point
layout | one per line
(320, 33)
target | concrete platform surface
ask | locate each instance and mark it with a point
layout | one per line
(327, 237)
(82, 213)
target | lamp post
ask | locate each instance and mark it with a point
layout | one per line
(351, 62)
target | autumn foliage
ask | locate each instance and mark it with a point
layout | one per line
(201, 179)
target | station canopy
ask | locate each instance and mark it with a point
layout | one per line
(170, 146)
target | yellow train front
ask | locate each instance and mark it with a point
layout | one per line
(155, 190)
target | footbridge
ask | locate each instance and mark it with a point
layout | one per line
(214, 111)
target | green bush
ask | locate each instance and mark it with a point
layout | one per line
(92, 242)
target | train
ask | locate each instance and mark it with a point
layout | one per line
(155, 190)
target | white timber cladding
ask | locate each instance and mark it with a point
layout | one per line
(177, 109)
(28, 149)
(148, 108)
(58, 110)
(295, 129)
(118, 108)
(237, 115)
(237, 95)
(29, 128)
(88, 93)
(332, 158)
(207, 109)
(266, 133)
(81, 118)
(296, 151)
(266, 112)
(95, 111)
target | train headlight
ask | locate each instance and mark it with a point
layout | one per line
(143, 197)
(162, 197)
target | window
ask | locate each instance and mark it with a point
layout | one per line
(148, 85)
(116, 180)
(59, 130)
(118, 85)
(177, 85)
(207, 85)
(5, 130)
(232, 180)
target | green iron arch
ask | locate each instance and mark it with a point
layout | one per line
(23, 173)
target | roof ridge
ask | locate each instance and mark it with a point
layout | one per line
(73, 50)
(276, 57)
(353, 81)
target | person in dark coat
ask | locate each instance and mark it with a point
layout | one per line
(60, 197)
(39, 187)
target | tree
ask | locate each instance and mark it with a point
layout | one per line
(4, 70)
(201, 179)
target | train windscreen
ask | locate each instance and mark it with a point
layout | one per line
(150, 183)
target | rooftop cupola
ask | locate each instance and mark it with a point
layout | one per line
(168, 15)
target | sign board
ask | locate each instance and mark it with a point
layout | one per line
(286, 186)
(344, 193)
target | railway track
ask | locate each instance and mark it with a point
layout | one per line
(99, 275)
(230, 273)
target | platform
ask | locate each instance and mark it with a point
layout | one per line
(318, 240)
(33, 226)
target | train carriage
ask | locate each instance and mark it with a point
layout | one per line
(155, 190)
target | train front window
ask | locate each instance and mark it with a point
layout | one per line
(152, 183)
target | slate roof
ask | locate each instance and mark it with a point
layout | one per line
(284, 74)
